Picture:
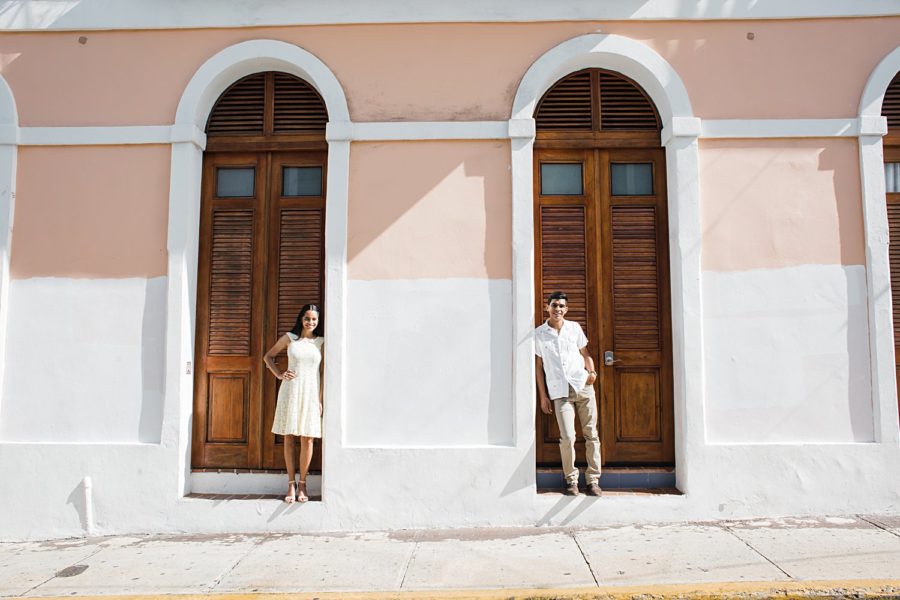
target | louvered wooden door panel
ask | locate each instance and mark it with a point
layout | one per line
(229, 316)
(261, 259)
(637, 402)
(297, 253)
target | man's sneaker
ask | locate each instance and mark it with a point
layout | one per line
(594, 490)
(571, 489)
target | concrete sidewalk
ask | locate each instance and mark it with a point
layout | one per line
(803, 557)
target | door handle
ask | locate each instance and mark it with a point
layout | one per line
(609, 358)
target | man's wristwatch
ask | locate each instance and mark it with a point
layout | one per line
(594, 373)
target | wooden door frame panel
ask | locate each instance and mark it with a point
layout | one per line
(262, 452)
(273, 453)
(584, 200)
(227, 455)
(640, 360)
(598, 197)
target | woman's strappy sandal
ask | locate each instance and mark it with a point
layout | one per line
(301, 493)
(292, 492)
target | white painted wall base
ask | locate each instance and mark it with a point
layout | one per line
(787, 355)
(440, 348)
(429, 363)
(135, 490)
(84, 360)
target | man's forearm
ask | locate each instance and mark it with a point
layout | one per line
(542, 392)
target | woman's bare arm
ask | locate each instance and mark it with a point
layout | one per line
(322, 382)
(274, 351)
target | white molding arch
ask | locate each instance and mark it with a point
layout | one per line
(616, 53)
(878, 269)
(246, 58)
(680, 132)
(9, 126)
(204, 88)
(876, 85)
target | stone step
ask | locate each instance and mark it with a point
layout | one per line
(613, 478)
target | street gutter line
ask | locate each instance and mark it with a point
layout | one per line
(586, 561)
(749, 545)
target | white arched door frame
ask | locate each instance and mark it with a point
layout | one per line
(204, 88)
(872, 128)
(679, 136)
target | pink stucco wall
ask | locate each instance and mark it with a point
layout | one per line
(101, 211)
(429, 210)
(96, 212)
(791, 69)
(778, 203)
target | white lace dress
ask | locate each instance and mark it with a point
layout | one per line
(297, 410)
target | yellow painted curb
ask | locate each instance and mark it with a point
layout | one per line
(783, 590)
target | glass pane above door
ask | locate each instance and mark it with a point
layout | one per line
(301, 181)
(632, 179)
(235, 182)
(561, 179)
(892, 177)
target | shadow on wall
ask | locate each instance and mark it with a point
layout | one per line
(436, 216)
(844, 172)
(434, 209)
(76, 499)
(766, 204)
(153, 329)
(741, 192)
(523, 476)
(785, 291)
(848, 201)
(498, 235)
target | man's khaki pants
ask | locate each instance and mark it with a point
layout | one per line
(565, 408)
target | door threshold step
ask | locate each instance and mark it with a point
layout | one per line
(227, 497)
(618, 492)
(245, 471)
(235, 485)
(632, 478)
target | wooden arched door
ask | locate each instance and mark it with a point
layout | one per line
(601, 235)
(261, 257)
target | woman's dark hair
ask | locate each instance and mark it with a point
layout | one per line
(298, 326)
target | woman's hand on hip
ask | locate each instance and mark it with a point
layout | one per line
(287, 375)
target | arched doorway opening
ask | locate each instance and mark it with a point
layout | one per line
(601, 235)
(261, 257)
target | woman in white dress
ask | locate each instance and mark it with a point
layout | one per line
(298, 412)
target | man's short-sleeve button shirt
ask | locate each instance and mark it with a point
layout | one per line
(560, 353)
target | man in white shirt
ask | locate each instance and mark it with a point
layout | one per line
(566, 375)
